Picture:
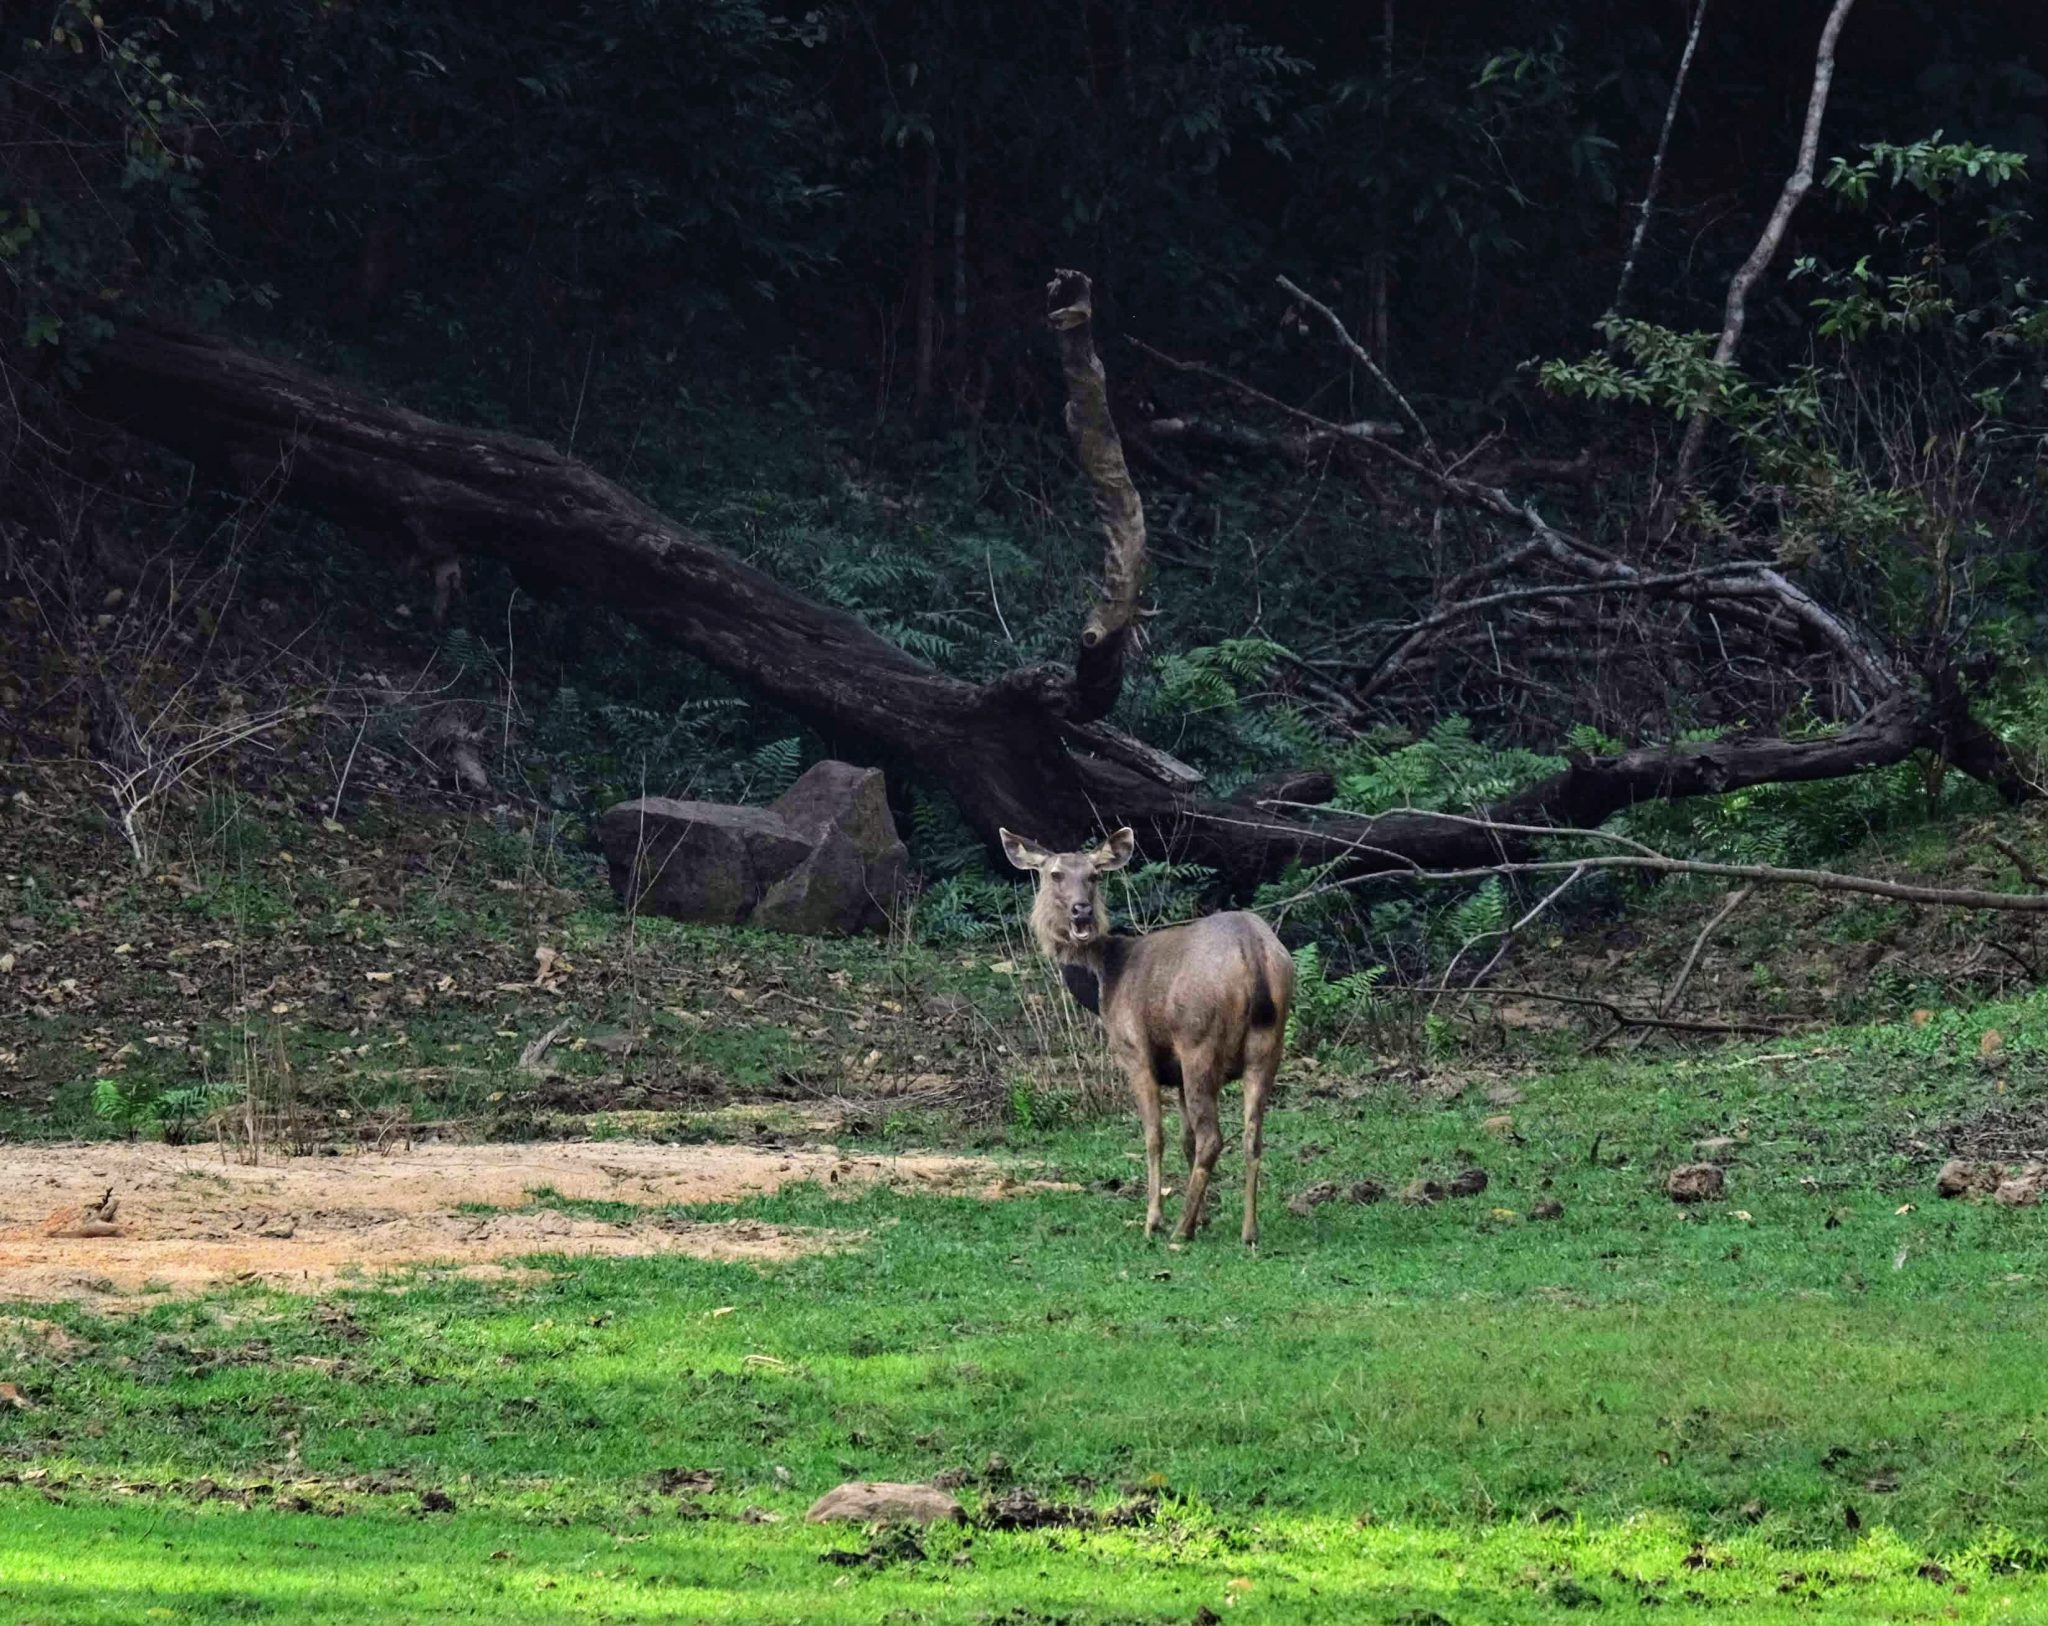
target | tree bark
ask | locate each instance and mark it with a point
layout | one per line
(1010, 752)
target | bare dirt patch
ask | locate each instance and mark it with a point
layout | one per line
(189, 1220)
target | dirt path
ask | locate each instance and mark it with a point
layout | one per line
(187, 1219)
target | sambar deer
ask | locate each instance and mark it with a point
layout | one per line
(1187, 1008)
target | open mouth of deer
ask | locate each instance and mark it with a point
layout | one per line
(1081, 927)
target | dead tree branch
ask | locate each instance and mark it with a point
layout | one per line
(1010, 751)
(1300, 449)
(2028, 872)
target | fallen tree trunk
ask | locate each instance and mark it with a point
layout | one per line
(561, 526)
(1009, 752)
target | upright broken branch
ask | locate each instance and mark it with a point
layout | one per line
(1105, 636)
(1795, 189)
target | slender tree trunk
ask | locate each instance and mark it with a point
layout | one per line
(1752, 269)
(926, 275)
(1382, 255)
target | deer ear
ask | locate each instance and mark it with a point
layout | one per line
(1021, 853)
(1115, 852)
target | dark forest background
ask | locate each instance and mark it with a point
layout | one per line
(780, 270)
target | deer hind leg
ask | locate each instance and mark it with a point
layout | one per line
(1261, 1064)
(1199, 1095)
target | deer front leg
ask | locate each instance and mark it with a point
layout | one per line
(1145, 1091)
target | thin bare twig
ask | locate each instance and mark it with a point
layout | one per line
(341, 784)
(1625, 1018)
(1635, 244)
(1736, 899)
(1508, 934)
(1363, 358)
(1618, 584)
(2033, 903)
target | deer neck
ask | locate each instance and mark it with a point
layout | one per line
(1093, 969)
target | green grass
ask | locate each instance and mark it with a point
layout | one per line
(653, 1568)
(1821, 1399)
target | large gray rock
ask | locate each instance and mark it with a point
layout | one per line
(700, 861)
(855, 801)
(824, 895)
(837, 793)
(824, 859)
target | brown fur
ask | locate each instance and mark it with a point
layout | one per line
(1187, 1009)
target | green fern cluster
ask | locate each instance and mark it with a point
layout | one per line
(1448, 770)
(969, 907)
(610, 749)
(1330, 1010)
(1205, 704)
(143, 1103)
(1482, 913)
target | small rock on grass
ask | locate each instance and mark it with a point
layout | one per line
(1549, 1208)
(1468, 1183)
(1366, 1191)
(864, 1501)
(2023, 1188)
(1695, 1183)
(1420, 1193)
(1309, 1198)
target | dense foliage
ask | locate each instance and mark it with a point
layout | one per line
(779, 268)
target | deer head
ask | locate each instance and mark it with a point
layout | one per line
(1068, 914)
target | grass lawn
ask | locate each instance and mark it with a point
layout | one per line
(1820, 1399)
